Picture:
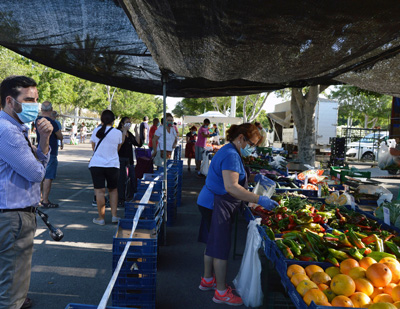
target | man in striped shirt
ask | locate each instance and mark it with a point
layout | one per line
(22, 168)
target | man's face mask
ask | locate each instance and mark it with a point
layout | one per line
(29, 111)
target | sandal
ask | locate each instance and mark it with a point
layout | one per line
(49, 205)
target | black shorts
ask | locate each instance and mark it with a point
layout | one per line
(102, 174)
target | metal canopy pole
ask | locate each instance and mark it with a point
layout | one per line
(164, 83)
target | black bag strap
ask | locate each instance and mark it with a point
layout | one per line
(98, 144)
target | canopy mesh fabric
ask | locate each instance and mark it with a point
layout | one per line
(211, 48)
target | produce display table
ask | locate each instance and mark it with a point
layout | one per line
(360, 227)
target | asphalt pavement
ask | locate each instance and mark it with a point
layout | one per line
(78, 268)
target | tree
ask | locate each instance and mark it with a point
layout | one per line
(362, 105)
(192, 107)
(303, 104)
(253, 105)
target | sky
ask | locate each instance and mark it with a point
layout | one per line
(269, 106)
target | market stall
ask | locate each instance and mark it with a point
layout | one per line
(327, 249)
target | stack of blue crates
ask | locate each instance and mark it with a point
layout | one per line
(178, 153)
(178, 165)
(172, 189)
(136, 282)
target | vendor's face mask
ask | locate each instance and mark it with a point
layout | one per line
(169, 123)
(247, 150)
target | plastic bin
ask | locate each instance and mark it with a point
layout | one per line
(142, 280)
(81, 306)
(136, 264)
(150, 211)
(128, 296)
(341, 173)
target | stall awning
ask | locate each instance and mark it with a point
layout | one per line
(214, 117)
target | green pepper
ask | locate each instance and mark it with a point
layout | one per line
(336, 232)
(355, 254)
(294, 247)
(355, 241)
(285, 249)
(379, 245)
(331, 259)
(340, 255)
(393, 248)
(377, 256)
(344, 240)
(360, 235)
(269, 232)
(396, 240)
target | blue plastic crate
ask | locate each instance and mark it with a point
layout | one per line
(144, 280)
(81, 306)
(154, 196)
(157, 185)
(150, 211)
(142, 224)
(134, 263)
(127, 296)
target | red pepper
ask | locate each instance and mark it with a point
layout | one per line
(306, 258)
(364, 227)
(369, 239)
(312, 209)
(317, 219)
(279, 217)
(367, 251)
(331, 238)
(389, 237)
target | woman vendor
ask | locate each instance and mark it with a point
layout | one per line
(221, 197)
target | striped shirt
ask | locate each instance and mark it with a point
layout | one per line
(20, 172)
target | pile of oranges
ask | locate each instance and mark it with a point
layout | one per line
(356, 284)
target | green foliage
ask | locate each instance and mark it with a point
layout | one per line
(359, 104)
(192, 107)
(67, 92)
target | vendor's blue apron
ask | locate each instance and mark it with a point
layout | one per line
(225, 208)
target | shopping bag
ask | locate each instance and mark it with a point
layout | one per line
(248, 280)
(385, 159)
(158, 161)
(204, 164)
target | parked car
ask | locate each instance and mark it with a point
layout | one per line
(367, 147)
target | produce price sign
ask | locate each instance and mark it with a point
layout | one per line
(386, 215)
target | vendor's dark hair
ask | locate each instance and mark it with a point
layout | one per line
(11, 86)
(107, 118)
(121, 123)
(247, 129)
(193, 128)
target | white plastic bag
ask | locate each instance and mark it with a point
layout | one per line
(158, 161)
(385, 159)
(248, 280)
(279, 162)
(205, 163)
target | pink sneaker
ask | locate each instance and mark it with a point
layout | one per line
(228, 298)
(206, 286)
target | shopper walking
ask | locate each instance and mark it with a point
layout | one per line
(170, 137)
(125, 154)
(191, 138)
(51, 169)
(222, 196)
(22, 168)
(153, 130)
(104, 165)
(144, 131)
(202, 135)
(83, 133)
